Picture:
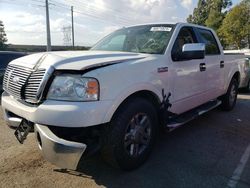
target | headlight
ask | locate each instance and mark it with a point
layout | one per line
(71, 87)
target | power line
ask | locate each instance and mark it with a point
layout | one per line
(90, 15)
(19, 4)
(119, 18)
(117, 11)
(60, 4)
(91, 12)
(40, 1)
(35, 32)
(87, 15)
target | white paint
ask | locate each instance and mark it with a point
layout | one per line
(240, 168)
(138, 72)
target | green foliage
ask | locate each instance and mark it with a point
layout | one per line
(210, 13)
(216, 14)
(3, 38)
(200, 14)
(232, 26)
(214, 19)
(235, 28)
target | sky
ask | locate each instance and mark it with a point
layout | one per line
(25, 20)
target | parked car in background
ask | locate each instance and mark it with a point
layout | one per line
(5, 58)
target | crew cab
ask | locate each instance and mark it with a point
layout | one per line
(115, 98)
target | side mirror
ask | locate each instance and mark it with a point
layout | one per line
(193, 51)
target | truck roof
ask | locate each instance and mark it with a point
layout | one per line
(169, 23)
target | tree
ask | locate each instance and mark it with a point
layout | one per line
(200, 14)
(3, 38)
(209, 13)
(247, 4)
(214, 19)
(235, 27)
(216, 14)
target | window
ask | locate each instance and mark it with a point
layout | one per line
(115, 43)
(150, 39)
(185, 36)
(207, 37)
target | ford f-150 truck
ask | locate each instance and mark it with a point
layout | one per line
(115, 98)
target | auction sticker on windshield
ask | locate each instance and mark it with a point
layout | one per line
(161, 29)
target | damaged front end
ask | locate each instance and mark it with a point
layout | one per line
(65, 147)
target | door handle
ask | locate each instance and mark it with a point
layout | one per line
(222, 64)
(203, 67)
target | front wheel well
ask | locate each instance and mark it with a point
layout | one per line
(145, 94)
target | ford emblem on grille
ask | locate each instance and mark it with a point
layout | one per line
(16, 79)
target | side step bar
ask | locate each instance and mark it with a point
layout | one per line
(175, 122)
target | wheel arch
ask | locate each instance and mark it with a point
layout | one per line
(145, 94)
(236, 76)
(149, 95)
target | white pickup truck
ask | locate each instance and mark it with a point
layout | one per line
(115, 98)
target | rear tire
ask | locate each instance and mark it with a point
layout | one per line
(129, 139)
(247, 88)
(229, 99)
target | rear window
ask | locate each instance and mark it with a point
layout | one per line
(6, 58)
(208, 38)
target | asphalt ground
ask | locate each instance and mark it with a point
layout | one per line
(210, 151)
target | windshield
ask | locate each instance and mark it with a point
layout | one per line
(151, 39)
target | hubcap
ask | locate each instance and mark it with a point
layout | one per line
(138, 134)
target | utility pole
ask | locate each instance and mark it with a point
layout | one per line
(48, 26)
(72, 22)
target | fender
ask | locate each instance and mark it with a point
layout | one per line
(229, 77)
(124, 94)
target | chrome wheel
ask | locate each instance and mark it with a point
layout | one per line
(138, 135)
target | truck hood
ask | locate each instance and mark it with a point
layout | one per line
(76, 60)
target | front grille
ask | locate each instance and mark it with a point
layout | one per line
(33, 85)
(23, 83)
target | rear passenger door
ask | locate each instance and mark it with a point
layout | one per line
(214, 64)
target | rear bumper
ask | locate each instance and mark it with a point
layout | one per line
(60, 152)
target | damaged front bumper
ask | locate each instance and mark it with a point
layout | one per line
(60, 152)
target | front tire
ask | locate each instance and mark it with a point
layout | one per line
(129, 139)
(229, 99)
